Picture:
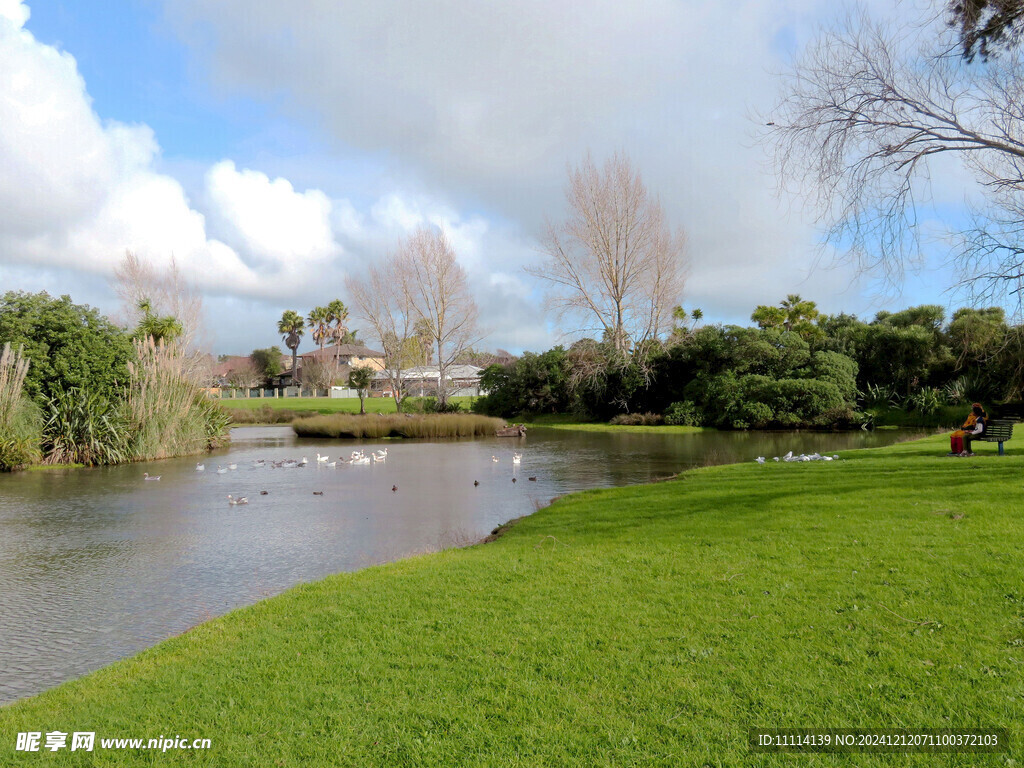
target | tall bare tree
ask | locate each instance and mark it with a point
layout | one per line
(147, 289)
(382, 301)
(438, 292)
(866, 112)
(614, 265)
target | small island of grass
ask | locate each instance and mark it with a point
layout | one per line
(397, 425)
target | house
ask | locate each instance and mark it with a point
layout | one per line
(422, 381)
(344, 356)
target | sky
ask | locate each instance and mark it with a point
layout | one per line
(275, 148)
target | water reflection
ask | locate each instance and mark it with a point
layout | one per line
(97, 564)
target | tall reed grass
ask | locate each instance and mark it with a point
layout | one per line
(20, 421)
(166, 411)
(396, 425)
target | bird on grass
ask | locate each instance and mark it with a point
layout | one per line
(235, 502)
(148, 476)
(759, 459)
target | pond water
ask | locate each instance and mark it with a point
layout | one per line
(97, 564)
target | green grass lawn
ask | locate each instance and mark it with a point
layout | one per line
(638, 626)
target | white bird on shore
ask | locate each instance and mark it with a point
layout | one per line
(235, 502)
(788, 456)
(148, 476)
(775, 458)
(200, 467)
(759, 459)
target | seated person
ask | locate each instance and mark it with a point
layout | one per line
(976, 431)
(956, 440)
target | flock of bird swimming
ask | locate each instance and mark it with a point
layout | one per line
(802, 457)
(356, 458)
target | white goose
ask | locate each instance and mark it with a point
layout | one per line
(200, 467)
(321, 459)
(222, 470)
(232, 466)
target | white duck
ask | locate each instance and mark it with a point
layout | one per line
(321, 459)
(235, 502)
(232, 466)
(148, 476)
(222, 470)
(200, 467)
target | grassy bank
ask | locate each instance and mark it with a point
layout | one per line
(638, 626)
(397, 425)
(567, 422)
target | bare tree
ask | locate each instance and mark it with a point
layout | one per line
(381, 300)
(148, 289)
(866, 111)
(614, 265)
(437, 289)
(321, 372)
(245, 375)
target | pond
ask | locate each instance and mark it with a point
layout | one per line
(97, 564)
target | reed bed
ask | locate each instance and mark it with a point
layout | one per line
(20, 420)
(265, 414)
(167, 413)
(397, 425)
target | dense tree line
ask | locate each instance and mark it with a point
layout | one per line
(796, 369)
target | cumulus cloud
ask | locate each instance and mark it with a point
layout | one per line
(487, 103)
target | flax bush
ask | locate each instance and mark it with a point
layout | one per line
(84, 428)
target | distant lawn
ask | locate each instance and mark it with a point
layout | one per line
(326, 404)
(638, 626)
(563, 421)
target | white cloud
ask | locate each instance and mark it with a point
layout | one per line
(14, 12)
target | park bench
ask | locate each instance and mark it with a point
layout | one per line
(997, 431)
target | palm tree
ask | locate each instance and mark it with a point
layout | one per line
(337, 313)
(359, 379)
(291, 326)
(318, 321)
(161, 329)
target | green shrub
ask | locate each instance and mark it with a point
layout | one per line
(70, 345)
(20, 435)
(684, 413)
(927, 400)
(20, 422)
(84, 428)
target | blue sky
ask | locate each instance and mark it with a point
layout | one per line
(275, 148)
